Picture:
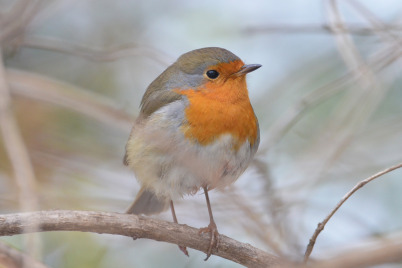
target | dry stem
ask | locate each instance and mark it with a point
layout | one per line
(133, 226)
(322, 224)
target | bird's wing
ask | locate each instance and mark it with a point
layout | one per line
(152, 102)
(157, 99)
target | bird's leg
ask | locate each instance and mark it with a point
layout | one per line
(214, 241)
(183, 249)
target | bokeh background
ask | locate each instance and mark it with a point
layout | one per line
(328, 99)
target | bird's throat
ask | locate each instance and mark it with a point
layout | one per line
(210, 115)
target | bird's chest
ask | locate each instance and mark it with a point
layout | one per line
(206, 120)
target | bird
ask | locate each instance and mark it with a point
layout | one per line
(196, 130)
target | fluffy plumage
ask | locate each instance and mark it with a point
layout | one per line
(192, 132)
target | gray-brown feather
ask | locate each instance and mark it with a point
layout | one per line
(147, 203)
(197, 60)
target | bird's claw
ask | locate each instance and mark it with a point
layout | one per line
(214, 240)
(184, 250)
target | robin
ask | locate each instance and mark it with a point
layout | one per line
(196, 130)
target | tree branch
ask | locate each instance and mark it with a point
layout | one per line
(133, 226)
(18, 155)
(49, 90)
(97, 54)
(322, 224)
(354, 29)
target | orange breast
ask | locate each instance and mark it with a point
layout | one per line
(218, 109)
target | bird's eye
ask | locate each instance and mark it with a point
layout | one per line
(212, 74)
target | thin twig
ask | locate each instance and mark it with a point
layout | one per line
(355, 108)
(346, 47)
(377, 62)
(88, 103)
(255, 219)
(318, 29)
(322, 224)
(96, 54)
(284, 123)
(380, 27)
(19, 157)
(25, 11)
(133, 226)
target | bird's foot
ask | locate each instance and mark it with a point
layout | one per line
(214, 240)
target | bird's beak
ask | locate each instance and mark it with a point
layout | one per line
(247, 69)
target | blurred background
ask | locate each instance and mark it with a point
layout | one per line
(328, 99)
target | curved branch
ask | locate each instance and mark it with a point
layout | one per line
(133, 226)
(355, 29)
(45, 89)
(18, 155)
(97, 54)
(322, 224)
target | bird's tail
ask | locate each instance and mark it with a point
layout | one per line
(148, 203)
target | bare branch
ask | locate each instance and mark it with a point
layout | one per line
(85, 102)
(380, 28)
(18, 155)
(322, 224)
(96, 54)
(355, 108)
(133, 226)
(318, 29)
(11, 27)
(346, 47)
(378, 61)
(255, 222)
